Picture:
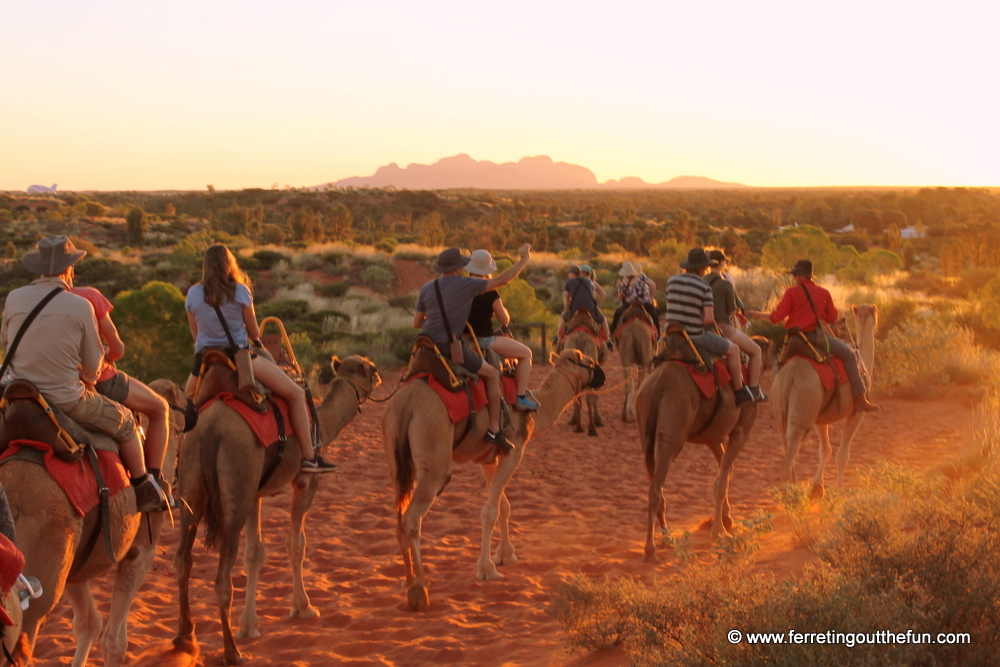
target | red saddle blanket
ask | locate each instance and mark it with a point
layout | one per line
(11, 564)
(263, 424)
(826, 373)
(457, 402)
(706, 381)
(77, 479)
(586, 330)
(644, 320)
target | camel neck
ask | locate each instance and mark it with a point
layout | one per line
(338, 408)
(866, 344)
(558, 391)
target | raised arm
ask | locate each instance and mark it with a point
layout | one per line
(512, 272)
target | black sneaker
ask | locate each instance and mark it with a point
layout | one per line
(758, 395)
(149, 497)
(317, 465)
(743, 396)
(498, 439)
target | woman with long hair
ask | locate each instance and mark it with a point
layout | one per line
(225, 286)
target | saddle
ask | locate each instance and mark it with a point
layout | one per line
(797, 343)
(426, 359)
(583, 319)
(218, 375)
(637, 311)
(677, 346)
(70, 438)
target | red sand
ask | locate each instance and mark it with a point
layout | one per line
(578, 506)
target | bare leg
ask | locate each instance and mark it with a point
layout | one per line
(86, 621)
(303, 491)
(733, 364)
(492, 379)
(253, 561)
(132, 457)
(746, 344)
(512, 349)
(275, 379)
(143, 399)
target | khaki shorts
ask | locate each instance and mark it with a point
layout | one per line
(99, 413)
(115, 388)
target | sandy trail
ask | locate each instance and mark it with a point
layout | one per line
(578, 506)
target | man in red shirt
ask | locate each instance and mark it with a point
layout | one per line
(805, 306)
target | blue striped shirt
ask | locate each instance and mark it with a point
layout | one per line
(687, 297)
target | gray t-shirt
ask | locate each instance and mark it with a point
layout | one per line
(457, 293)
(210, 331)
(581, 294)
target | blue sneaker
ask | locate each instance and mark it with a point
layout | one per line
(526, 403)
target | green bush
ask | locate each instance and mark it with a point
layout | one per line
(286, 311)
(333, 290)
(153, 324)
(109, 276)
(266, 259)
(378, 277)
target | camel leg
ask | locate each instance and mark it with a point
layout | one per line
(723, 515)
(793, 440)
(229, 547)
(405, 547)
(86, 620)
(595, 414)
(130, 574)
(423, 497)
(825, 451)
(303, 491)
(190, 518)
(628, 406)
(49, 559)
(253, 561)
(576, 419)
(486, 569)
(668, 446)
(850, 429)
(504, 554)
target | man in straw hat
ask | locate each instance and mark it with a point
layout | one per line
(806, 305)
(62, 355)
(726, 308)
(690, 304)
(456, 295)
(634, 287)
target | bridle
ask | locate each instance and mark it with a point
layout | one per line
(591, 369)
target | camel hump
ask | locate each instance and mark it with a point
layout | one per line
(426, 359)
(219, 376)
(583, 318)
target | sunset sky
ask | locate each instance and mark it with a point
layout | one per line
(176, 95)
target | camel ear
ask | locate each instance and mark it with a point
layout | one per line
(552, 358)
(335, 363)
(855, 309)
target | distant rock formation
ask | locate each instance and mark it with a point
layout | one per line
(528, 173)
(41, 190)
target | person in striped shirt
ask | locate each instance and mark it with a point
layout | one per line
(690, 304)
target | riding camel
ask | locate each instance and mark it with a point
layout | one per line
(225, 475)
(55, 539)
(635, 349)
(421, 442)
(670, 411)
(581, 338)
(801, 402)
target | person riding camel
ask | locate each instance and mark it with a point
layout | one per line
(580, 293)
(449, 299)
(485, 307)
(62, 356)
(129, 391)
(724, 296)
(690, 304)
(220, 307)
(806, 305)
(634, 287)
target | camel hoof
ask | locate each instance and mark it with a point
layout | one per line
(501, 559)
(727, 522)
(235, 658)
(651, 556)
(593, 433)
(417, 598)
(578, 429)
(308, 612)
(574, 421)
(598, 421)
(489, 575)
(248, 633)
(817, 493)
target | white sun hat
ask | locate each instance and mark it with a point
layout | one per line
(481, 264)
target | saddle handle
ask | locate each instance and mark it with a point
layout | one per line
(285, 341)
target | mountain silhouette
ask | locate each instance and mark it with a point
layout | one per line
(528, 173)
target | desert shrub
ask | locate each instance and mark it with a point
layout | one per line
(333, 290)
(759, 289)
(190, 251)
(266, 259)
(912, 358)
(286, 311)
(387, 245)
(378, 277)
(107, 275)
(154, 326)
(524, 305)
(321, 316)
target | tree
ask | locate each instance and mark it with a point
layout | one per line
(306, 225)
(153, 323)
(805, 242)
(337, 222)
(429, 229)
(135, 221)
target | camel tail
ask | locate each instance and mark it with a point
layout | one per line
(404, 471)
(210, 489)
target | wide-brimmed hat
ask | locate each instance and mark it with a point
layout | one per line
(717, 256)
(53, 255)
(803, 267)
(451, 259)
(697, 259)
(628, 270)
(481, 263)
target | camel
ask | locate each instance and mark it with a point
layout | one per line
(670, 411)
(635, 348)
(420, 445)
(224, 479)
(9, 633)
(585, 343)
(50, 534)
(800, 402)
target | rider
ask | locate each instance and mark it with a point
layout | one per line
(634, 287)
(457, 293)
(129, 391)
(724, 295)
(484, 307)
(62, 356)
(805, 305)
(224, 285)
(579, 292)
(690, 304)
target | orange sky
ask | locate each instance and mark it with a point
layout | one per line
(157, 95)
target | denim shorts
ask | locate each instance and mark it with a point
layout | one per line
(710, 342)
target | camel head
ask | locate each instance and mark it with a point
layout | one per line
(767, 348)
(357, 369)
(576, 362)
(866, 315)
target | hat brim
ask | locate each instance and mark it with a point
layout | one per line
(33, 262)
(445, 268)
(697, 265)
(800, 272)
(628, 274)
(479, 270)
